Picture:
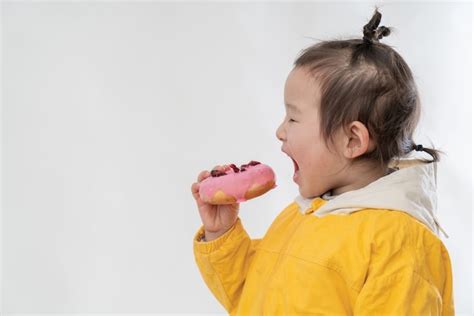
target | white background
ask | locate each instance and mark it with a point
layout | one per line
(110, 110)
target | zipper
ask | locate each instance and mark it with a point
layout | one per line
(280, 256)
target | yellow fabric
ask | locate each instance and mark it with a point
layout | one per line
(370, 262)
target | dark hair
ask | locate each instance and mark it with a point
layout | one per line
(367, 81)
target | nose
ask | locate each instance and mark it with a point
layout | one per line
(280, 133)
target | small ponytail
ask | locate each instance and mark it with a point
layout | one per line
(372, 33)
(435, 153)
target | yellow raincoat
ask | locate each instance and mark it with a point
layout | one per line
(372, 251)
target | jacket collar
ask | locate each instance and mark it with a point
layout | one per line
(410, 188)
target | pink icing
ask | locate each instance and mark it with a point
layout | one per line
(236, 184)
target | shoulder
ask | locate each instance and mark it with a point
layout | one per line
(400, 240)
(398, 228)
(290, 211)
(402, 229)
(396, 233)
(284, 218)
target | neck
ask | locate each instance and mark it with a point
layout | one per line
(358, 177)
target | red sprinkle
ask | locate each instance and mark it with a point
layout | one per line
(234, 167)
(217, 173)
(244, 167)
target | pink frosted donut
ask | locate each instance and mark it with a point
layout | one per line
(237, 185)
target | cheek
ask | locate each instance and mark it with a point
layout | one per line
(296, 139)
(316, 157)
(326, 161)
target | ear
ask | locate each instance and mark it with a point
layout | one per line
(357, 140)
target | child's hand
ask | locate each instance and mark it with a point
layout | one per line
(217, 219)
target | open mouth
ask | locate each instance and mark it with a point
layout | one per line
(296, 174)
(296, 165)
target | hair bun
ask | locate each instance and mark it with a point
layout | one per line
(381, 32)
(372, 33)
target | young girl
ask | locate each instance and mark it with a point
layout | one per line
(361, 237)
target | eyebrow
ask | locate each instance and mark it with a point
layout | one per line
(293, 107)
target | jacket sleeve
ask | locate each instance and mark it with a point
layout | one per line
(401, 279)
(224, 262)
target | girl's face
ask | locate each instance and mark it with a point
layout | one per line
(317, 170)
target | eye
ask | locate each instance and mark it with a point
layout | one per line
(292, 120)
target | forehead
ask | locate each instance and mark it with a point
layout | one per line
(301, 88)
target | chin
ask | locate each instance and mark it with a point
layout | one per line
(310, 195)
(306, 195)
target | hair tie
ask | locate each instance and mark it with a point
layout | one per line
(367, 40)
(419, 148)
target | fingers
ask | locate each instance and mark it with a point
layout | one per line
(203, 175)
(220, 167)
(195, 186)
(195, 190)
